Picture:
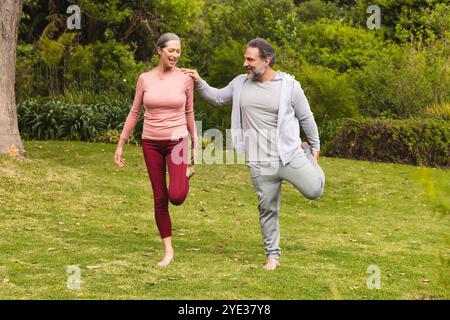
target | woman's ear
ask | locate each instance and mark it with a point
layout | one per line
(158, 49)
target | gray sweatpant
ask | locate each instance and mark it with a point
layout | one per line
(303, 172)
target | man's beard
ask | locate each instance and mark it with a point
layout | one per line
(255, 74)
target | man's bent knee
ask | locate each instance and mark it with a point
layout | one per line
(314, 194)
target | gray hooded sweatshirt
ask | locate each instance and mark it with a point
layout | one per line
(293, 108)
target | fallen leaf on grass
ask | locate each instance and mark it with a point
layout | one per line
(51, 249)
(92, 267)
(303, 217)
(13, 151)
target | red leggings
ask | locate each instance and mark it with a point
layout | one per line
(156, 154)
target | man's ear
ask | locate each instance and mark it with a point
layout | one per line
(267, 62)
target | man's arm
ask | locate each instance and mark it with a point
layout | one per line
(213, 95)
(305, 116)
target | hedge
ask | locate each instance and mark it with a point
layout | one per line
(411, 141)
(58, 120)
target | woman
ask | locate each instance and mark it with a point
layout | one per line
(167, 95)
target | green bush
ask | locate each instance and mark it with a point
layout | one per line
(439, 111)
(226, 63)
(54, 66)
(115, 67)
(411, 141)
(25, 84)
(330, 94)
(401, 82)
(327, 130)
(113, 136)
(335, 45)
(313, 10)
(44, 119)
(213, 117)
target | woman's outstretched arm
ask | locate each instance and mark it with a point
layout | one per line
(130, 123)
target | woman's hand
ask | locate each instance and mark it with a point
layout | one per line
(118, 157)
(192, 73)
(190, 167)
(194, 152)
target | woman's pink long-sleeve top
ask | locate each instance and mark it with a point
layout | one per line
(168, 103)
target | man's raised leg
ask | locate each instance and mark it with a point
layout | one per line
(305, 174)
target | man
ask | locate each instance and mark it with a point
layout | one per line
(267, 108)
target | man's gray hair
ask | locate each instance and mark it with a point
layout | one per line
(265, 49)
(164, 38)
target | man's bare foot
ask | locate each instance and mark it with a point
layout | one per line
(271, 264)
(168, 259)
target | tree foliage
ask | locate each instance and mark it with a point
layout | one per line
(345, 68)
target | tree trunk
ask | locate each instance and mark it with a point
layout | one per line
(10, 142)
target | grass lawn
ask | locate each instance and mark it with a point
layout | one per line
(67, 204)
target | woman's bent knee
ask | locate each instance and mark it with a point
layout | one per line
(177, 199)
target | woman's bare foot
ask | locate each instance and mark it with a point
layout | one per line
(168, 252)
(168, 259)
(271, 264)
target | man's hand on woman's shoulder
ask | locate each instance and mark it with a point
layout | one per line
(193, 73)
